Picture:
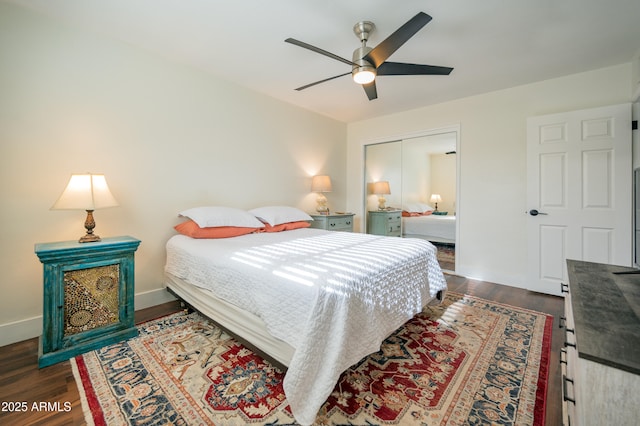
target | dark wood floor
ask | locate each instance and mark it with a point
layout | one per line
(22, 381)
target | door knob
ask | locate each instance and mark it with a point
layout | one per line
(534, 212)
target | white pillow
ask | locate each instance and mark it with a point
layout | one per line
(425, 208)
(416, 207)
(212, 216)
(275, 215)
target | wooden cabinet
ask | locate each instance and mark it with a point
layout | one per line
(600, 362)
(385, 222)
(333, 222)
(88, 296)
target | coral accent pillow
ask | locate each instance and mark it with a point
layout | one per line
(417, 208)
(191, 229)
(286, 226)
(413, 214)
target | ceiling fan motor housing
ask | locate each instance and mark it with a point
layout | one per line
(361, 65)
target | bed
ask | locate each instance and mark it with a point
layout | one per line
(436, 228)
(316, 301)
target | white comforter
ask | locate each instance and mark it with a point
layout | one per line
(333, 296)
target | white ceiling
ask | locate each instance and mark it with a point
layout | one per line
(491, 44)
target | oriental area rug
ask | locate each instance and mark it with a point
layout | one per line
(446, 255)
(467, 361)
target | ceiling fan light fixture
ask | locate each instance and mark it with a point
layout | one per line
(363, 75)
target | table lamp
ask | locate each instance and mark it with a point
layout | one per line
(86, 192)
(435, 198)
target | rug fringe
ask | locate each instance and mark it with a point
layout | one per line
(86, 410)
(540, 410)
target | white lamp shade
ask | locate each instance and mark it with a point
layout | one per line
(321, 183)
(85, 192)
(435, 198)
(381, 187)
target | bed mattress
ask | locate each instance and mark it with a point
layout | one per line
(332, 296)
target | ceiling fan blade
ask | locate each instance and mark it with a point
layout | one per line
(398, 68)
(381, 52)
(318, 50)
(321, 81)
(370, 90)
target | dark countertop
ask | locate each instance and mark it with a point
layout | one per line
(606, 312)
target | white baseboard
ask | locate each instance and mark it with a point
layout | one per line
(18, 331)
(508, 280)
(153, 298)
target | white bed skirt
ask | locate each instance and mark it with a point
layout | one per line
(441, 229)
(238, 321)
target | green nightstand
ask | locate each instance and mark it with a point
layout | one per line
(333, 222)
(385, 222)
(88, 296)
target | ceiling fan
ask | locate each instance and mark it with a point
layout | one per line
(367, 62)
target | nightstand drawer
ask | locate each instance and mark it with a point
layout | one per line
(394, 225)
(385, 222)
(333, 222)
(395, 220)
(340, 223)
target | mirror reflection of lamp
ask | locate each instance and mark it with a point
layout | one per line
(86, 192)
(381, 188)
(321, 184)
(435, 198)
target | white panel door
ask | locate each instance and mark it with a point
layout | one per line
(579, 192)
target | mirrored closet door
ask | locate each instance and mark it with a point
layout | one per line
(411, 190)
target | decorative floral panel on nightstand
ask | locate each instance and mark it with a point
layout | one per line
(90, 298)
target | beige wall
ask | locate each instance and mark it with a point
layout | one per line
(167, 137)
(492, 157)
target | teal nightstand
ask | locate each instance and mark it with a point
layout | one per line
(88, 296)
(333, 222)
(385, 222)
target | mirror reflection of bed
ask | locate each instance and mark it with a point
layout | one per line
(439, 229)
(422, 176)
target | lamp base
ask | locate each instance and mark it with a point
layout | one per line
(90, 238)
(321, 206)
(89, 224)
(382, 203)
